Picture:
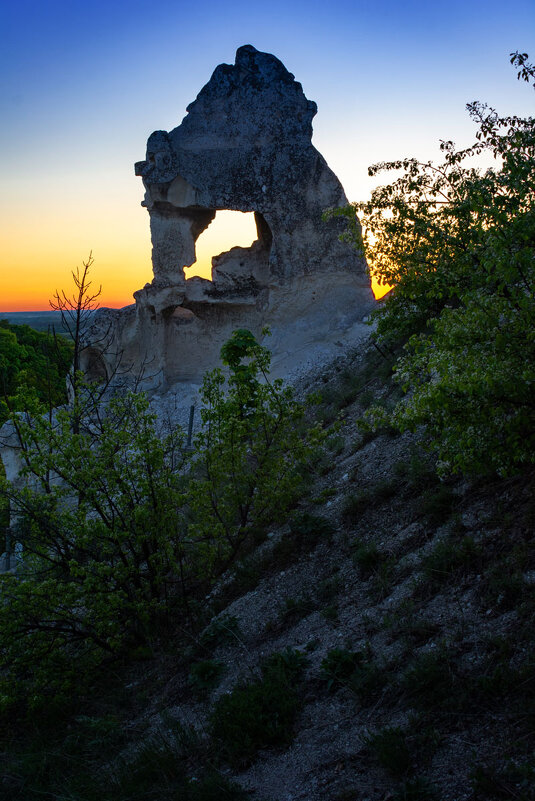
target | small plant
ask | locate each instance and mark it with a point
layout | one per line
(436, 504)
(311, 529)
(354, 670)
(382, 579)
(389, 747)
(306, 531)
(448, 558)
(354, 505)
(505, 588)
(504, 585)
(329, 588)
(366, 398)
(415, 631)
(297, 608)
(418, 470)
(289, 663)
(384, 489)
(367, 682)
(335, 444)
(416, 789)
(247, 574)
(259, 714)
(158, 762)
(425, 738)
(213, 787)
(324, 495)
(205, 675)
(497, 782)
(338, 667)
(430, 680)
(367, 557)
(223, 629)
(330, 613)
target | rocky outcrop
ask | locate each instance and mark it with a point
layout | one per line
(245, 145)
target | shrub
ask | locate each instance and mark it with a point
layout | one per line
(431, 682)
(367, 557)
(205, 675)
(354, 670)
(213, 787)
(456, 243)
(448, 557)
(261, 713)
(308, 529)
(124, 531)
(297, 608)
(354, 505)
(389, 746)
(338, 667)
(416, 789)
(436, 504)
(221, 630)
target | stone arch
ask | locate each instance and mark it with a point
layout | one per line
(244, 145)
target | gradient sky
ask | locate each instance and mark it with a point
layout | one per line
(83, 84)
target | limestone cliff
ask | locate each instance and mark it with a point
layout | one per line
(245, 145)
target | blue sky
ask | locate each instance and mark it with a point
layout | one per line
(82, 85)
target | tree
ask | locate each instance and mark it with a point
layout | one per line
(251, 451)
(100, 526)
(32, 360)
(457, 244)
(124, 532)
(76, 312)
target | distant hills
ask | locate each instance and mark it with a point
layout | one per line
(39, 320)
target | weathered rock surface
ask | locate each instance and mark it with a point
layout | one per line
(244, 145)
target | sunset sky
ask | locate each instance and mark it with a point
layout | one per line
(84, 82)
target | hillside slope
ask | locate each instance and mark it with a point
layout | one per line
(401, 608)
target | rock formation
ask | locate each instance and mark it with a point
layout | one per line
(245, 145)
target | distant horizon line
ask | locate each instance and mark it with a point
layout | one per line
(55, 311)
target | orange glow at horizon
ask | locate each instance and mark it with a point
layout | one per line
(34, 267)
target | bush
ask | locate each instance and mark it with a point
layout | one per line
(354, 670)
(259, 714)
(431, 682)
(124, 532)
(368, 558)
(389, 746)
(448, 558)
(221, 630)
(205, 675)
(457, 245)
(338, 667)
(416, 789)
(355, 504)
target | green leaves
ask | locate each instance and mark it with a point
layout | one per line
(124, 531)
(31, 360)
(251, 451)
(457, 243)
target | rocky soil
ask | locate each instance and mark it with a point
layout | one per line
(402, 609)
(411, 600)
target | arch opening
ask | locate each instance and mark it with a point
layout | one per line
(228, 230)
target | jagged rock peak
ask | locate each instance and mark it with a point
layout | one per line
(261, 84)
